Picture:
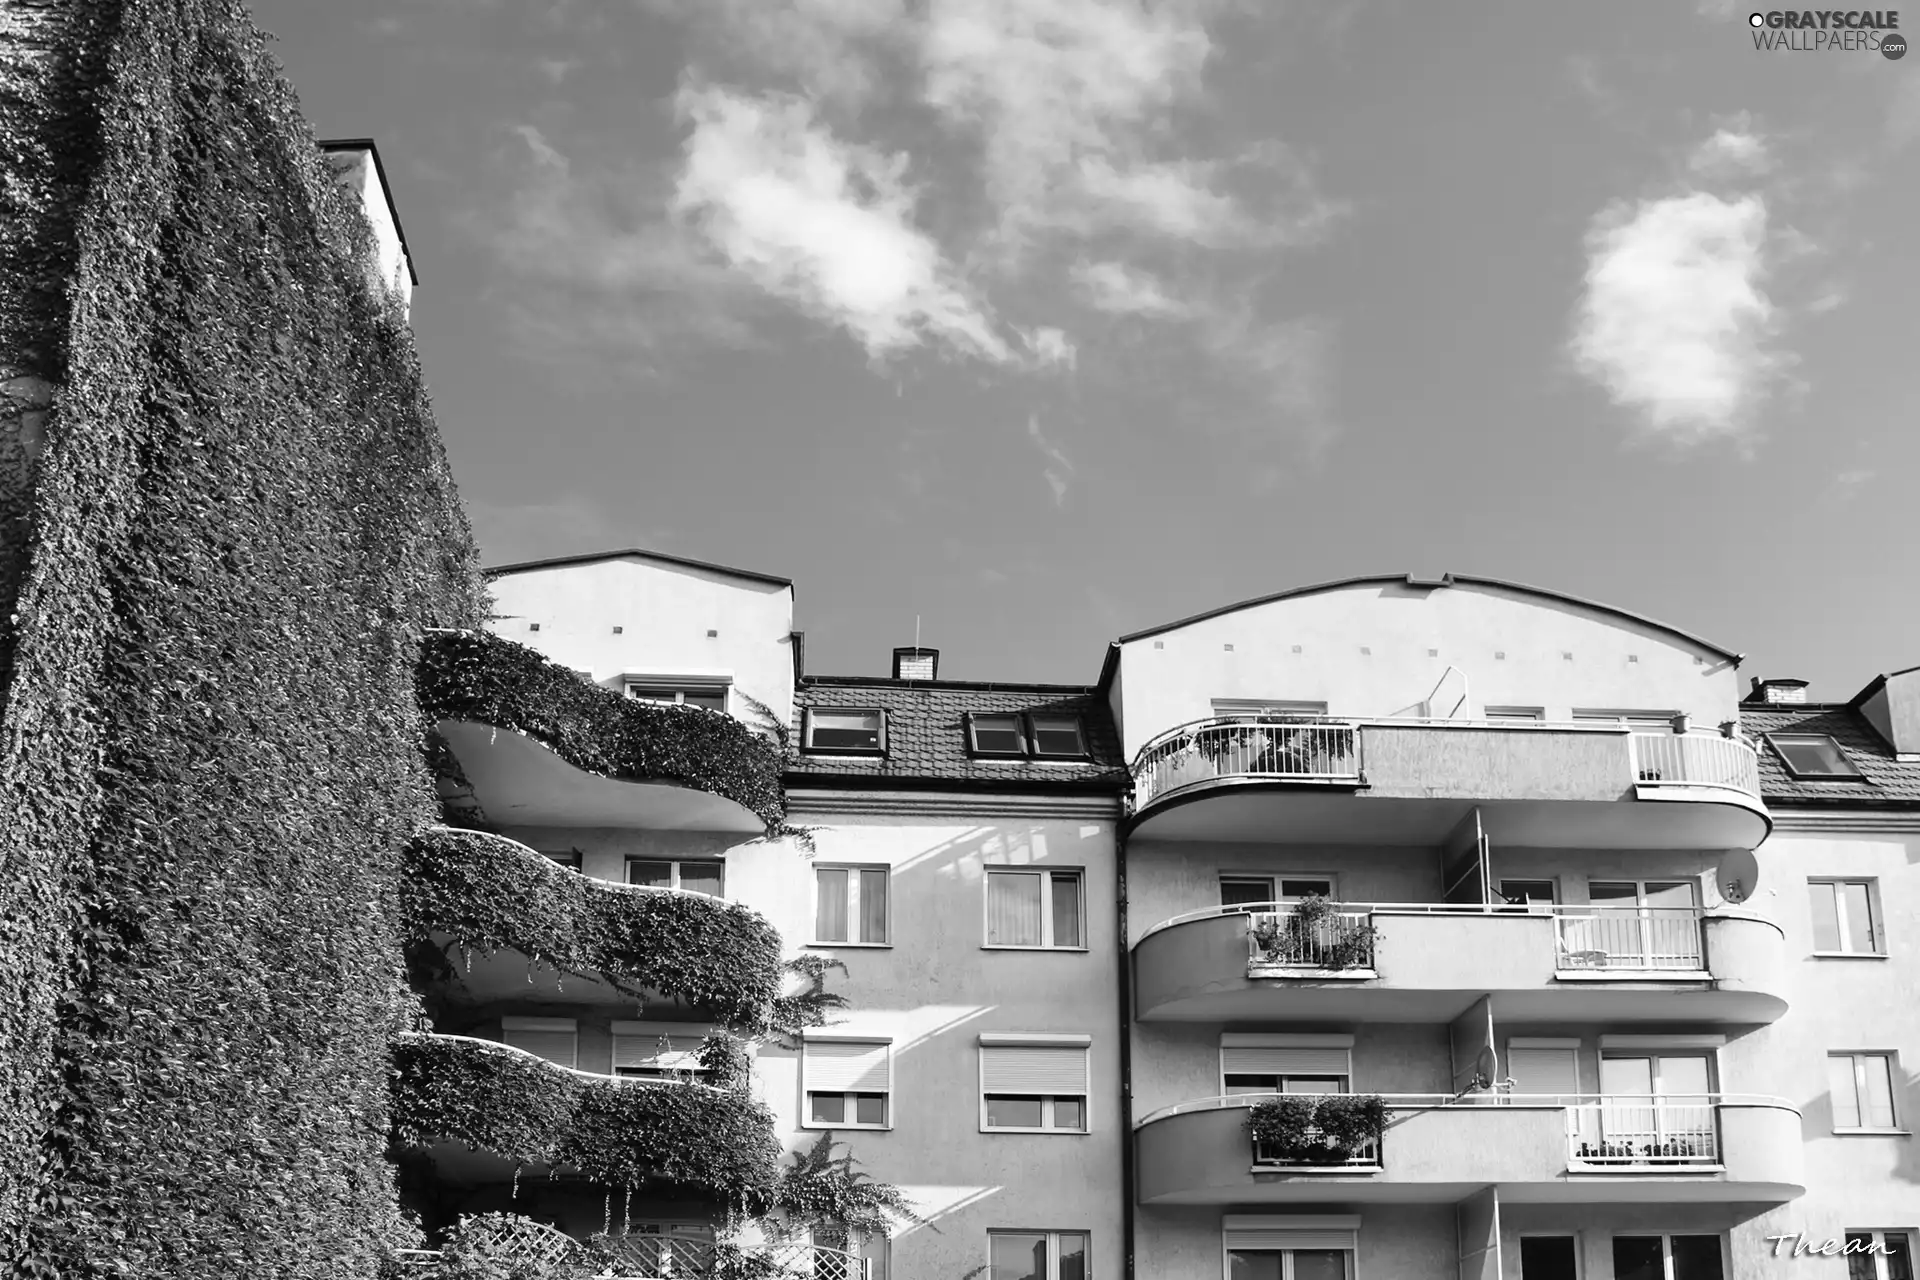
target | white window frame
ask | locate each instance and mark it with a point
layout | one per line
(849, 1099)
(674, 874)
(1892, 1058)
(1666, 1247)
(679, 689)
(807, 728)
(1877, 1239)
(853, 913)
(993, 1040)
(1876, 924)
(1046, 874)
(1053, 1247)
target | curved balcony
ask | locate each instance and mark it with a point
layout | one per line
(1427, 962)
(483, 1111)
(1241, 778)
(515, 925)
(511, 1241)
(1720, 1148)
(539, 746)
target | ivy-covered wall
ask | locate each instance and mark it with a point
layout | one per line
(236, 526)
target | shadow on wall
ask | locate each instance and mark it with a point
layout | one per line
(1817, 1122)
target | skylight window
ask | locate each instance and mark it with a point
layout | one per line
(1813, 755)
(997, 735)
(856, 731)
(1055, 734)
(1042, 735)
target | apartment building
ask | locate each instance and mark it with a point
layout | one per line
(1383, 928)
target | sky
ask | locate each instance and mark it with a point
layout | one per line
(1044, 321)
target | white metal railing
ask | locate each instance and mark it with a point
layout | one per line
(654, 1257)
(1252, 746)
(1365, 1156)
(1635, 1131)
(1669, 939)
(628, 1082)
(1279, 938)
(1695, 760)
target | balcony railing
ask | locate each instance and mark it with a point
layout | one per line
(1695, 760)
(1364, 1156)
(1257, 747)
(642, 1255)
(1666, 939)
(1280, 937)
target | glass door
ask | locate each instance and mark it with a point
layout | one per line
(1657, 1109)
(1644, 924)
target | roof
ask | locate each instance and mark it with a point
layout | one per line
(1414, 580)
(386, 189)
(1890, 782)
(927, 735)
(592, 556)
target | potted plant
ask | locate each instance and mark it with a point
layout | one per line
(1314, 935)
(1315, 1129)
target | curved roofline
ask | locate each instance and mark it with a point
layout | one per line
(1414, 580)
(591, 556)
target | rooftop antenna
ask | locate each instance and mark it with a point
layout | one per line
(916, 631)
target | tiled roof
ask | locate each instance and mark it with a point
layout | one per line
(927, 736)
(1888, 781)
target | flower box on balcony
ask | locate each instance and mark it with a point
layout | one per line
(1317, 1131)
(1315, 935)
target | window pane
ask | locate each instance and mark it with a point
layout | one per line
(828, 1108)
(1876, 1107)
(1617, 893)
(1548, 1258)
(873, 906)
(1069, 1113)
(870, 1108)
(1253, 1266)
(1859, 917)
(653, 693)
(1013, 908)
(1066, 909)
(657, 875)
(1670, 893)
(1696, 1258)
(850, 730)
(566, 858)
(998, 734)
(1012, 1113)
(1057, 736)
(1315, 1084)
(830, 907)
(711, 699)
(1814, 755)
(1018, 1256)
(1241, 891)
(1301, 888)
(1860, 1262)
(1529, 892)
(1638, 1258)
(1899, 1256)
(1846, 1098)
(1073, 1256)
(1826, 916)
(1237, 1084)
(701, 877)
(1319, 1264)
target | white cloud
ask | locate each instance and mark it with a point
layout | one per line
(1122, 290)
(1735, 150)
(825, 224)
(1058, 469)
(1674, 323)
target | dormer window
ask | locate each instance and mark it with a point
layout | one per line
(847, 732)
(1058, 735)
(1813, 756)
(1043, 735)
(997, 735)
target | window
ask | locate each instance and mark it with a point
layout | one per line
(1879, 1255)
(850, 906)
(1043, 734)
(1037, 1255)
(1652, 1102)
(1267, 707)
(1033, 1084)
(1253, 1062)
(1812, 755)
(1549, 1258)
(1250, 891)
(1034, 909)
(1530, 715)
(853, 732)
(1287, 1247)
(1844, 919)
(1667, 1258)
(1644, 721)
(849, 1083)
(1862, 1087)
(555, 1039)
(997, 735)
(565, 857)
(695, 875)
(1636, 924)
(1538, 895)
(711, 696)
(657, 1050)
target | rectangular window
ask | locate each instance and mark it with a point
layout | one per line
(856, 732)
(1667, 1258)
(1813, 755)
(694, 875)
(1033, 1084)
(1879, 1255)
(1549, 1258)
(1535, 894)
(1285, 1063)
(848, 1083)
(1034, 909)
(1644, 721)
(1057, 734)
(1862, 1089)
(997, 735)
(555, 1039)
(712, 697)
(1282, 707)
(657, 1050)
(1250, 891)
(850, 906)
(1844, 919)
(1527, 715)
(1290, 1247)
(1037, 1255)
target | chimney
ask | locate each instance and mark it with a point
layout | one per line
(916, 664)
(356, 167)
(1775, 693)
(1891, 705)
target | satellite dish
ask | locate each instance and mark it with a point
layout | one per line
(1738, 876)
